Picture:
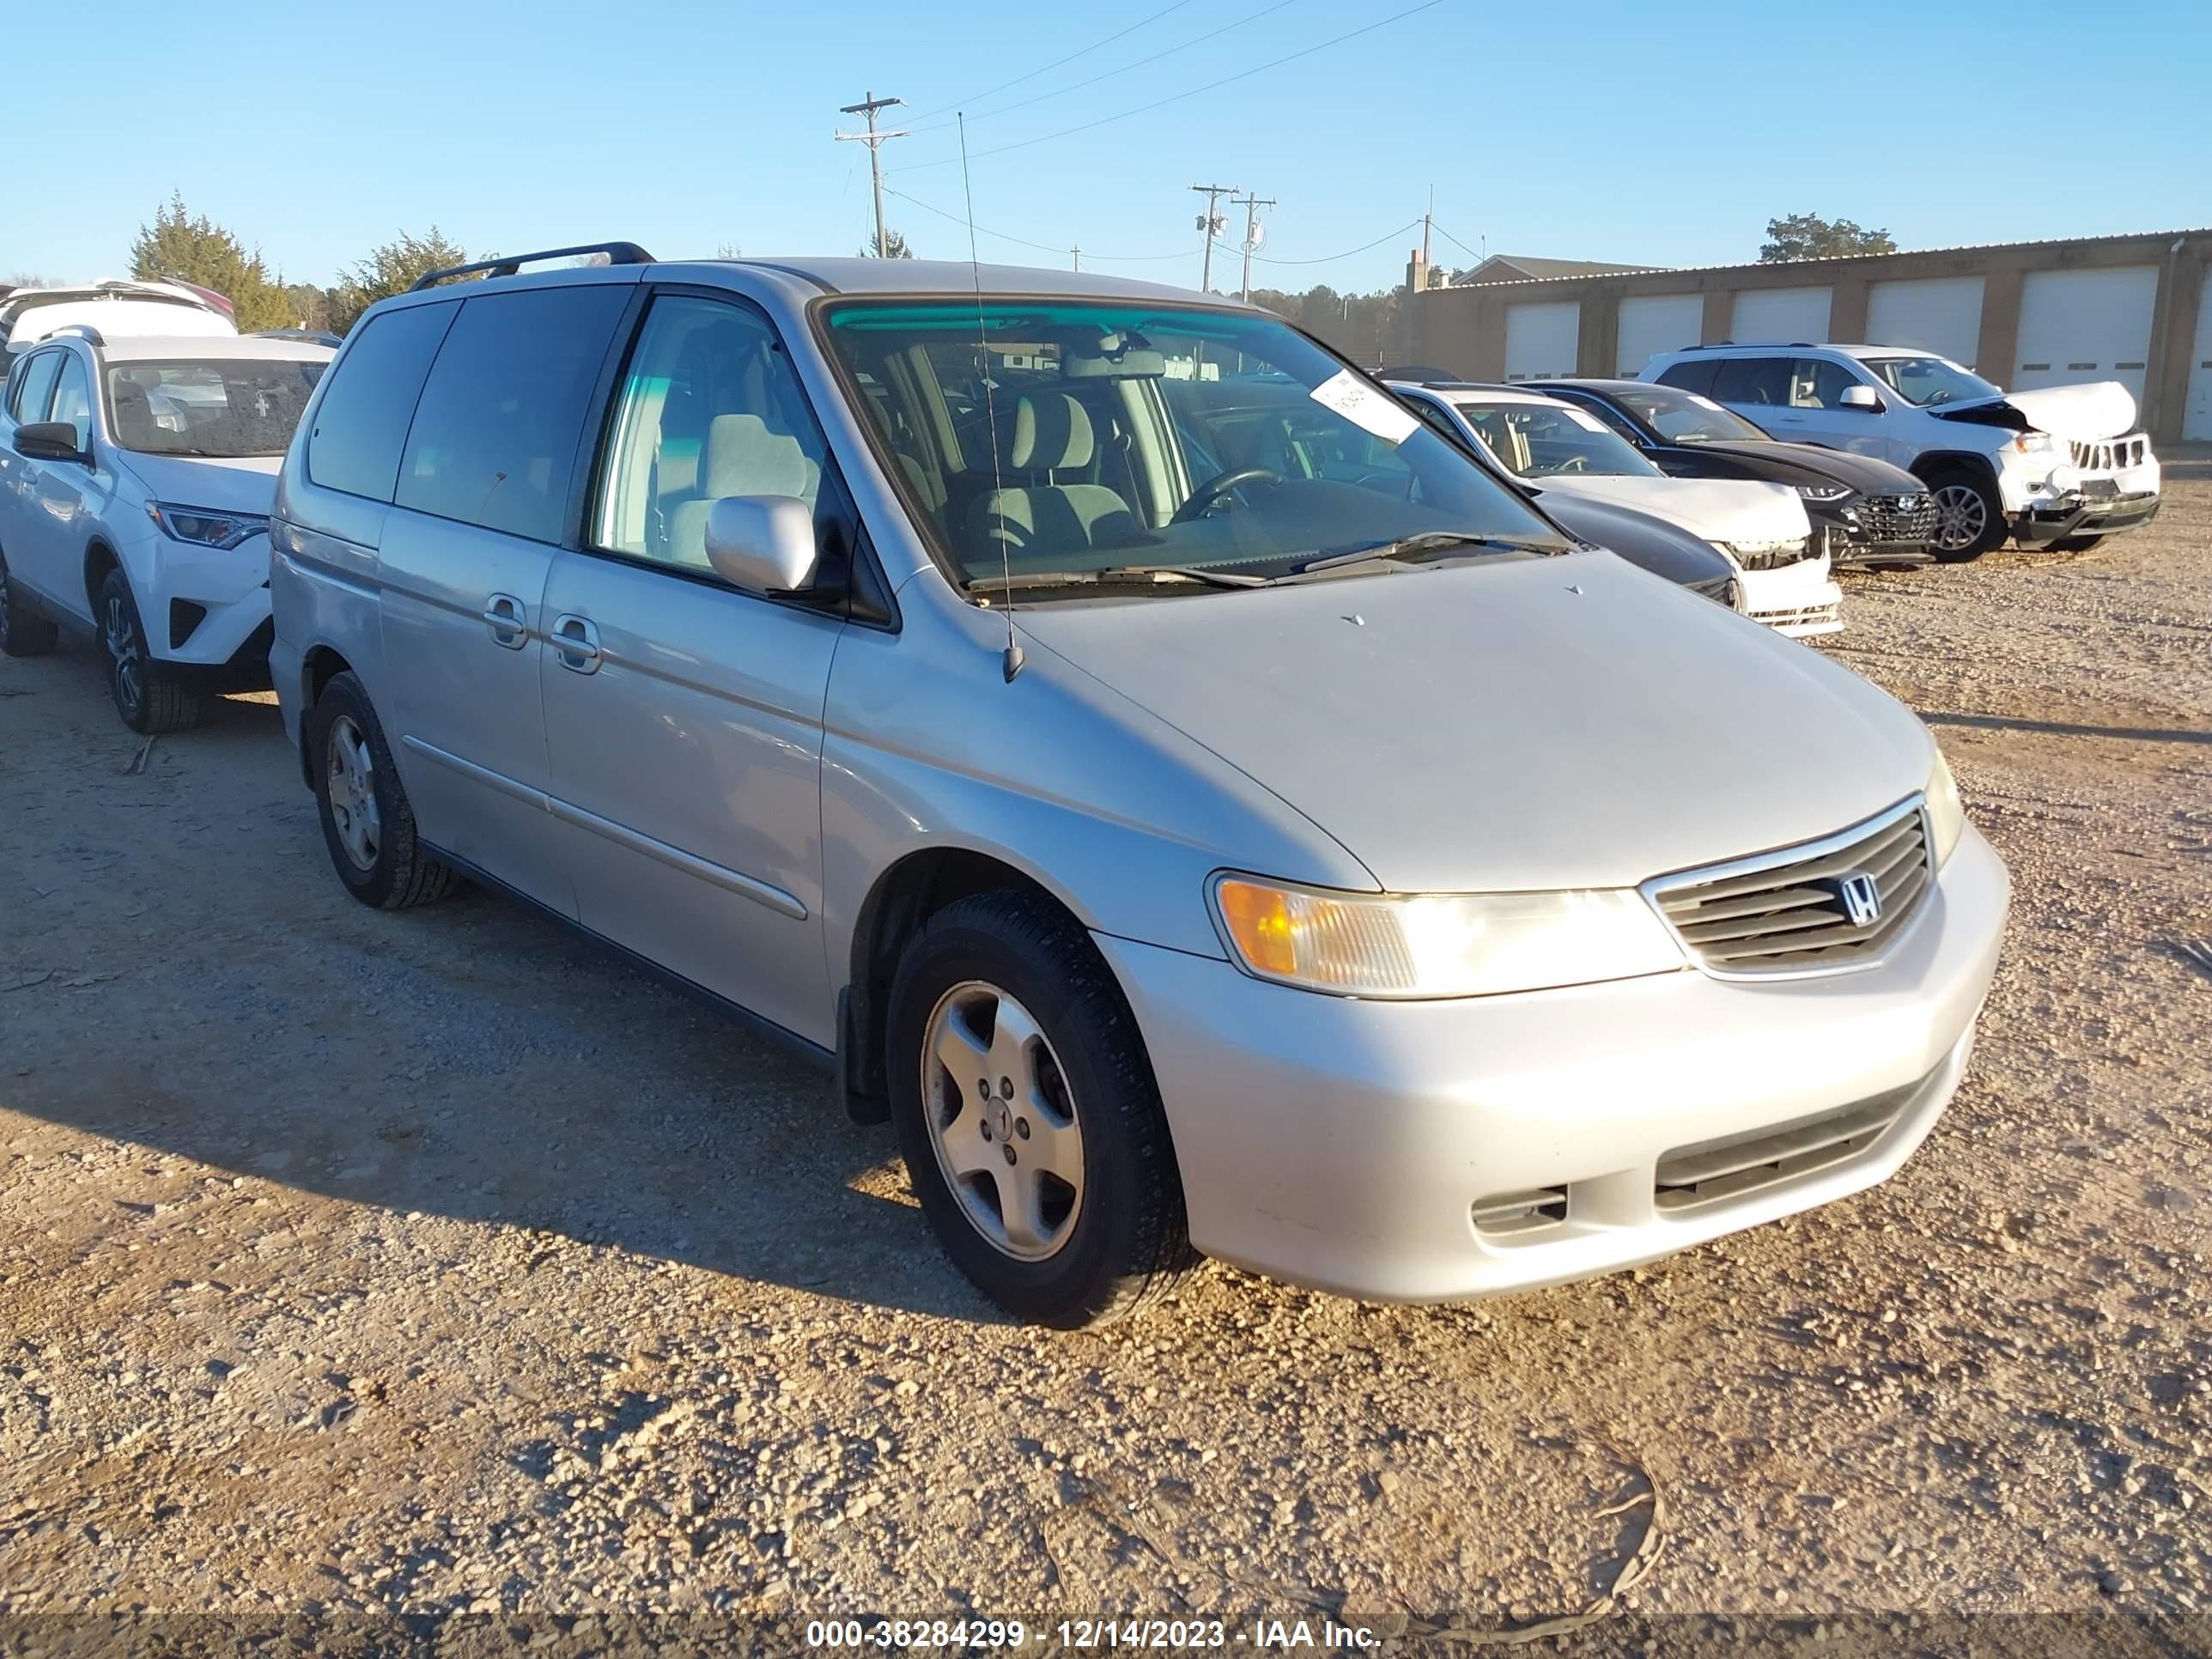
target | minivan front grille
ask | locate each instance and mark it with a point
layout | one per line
(1690, 1177)
(1822, 906)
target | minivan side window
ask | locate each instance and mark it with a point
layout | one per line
(709, 407)
(73, 399)
(361, 425)
(35, 385)
(1692, 374)
(1752, 380)
(493, 441)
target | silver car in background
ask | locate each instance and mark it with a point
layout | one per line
(1200, 823)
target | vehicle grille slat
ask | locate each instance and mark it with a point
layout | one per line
(1776, 914)
(1690, 1177)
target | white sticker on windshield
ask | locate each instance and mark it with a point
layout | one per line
(1358, 402)
(1702, 403)
(1583, 419)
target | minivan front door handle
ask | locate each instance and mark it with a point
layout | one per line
(577, 643)
(502, 614)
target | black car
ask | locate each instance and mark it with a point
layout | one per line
(1874, 513)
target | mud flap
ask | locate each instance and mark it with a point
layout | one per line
(860, 1107)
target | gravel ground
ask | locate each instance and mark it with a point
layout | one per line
(365, 1277)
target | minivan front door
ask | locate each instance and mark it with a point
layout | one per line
(684, 718)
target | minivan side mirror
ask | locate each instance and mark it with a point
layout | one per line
(1863, 397)
(762, 543)
(49, 440)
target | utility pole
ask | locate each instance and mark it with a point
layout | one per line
(1211, 223)
(868, 105)
(1077, 252)
(1425, 218)
(1251, 204)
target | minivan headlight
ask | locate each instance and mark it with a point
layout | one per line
(1440, 944)
(1946, 813)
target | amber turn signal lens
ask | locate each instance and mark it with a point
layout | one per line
(1259, 920)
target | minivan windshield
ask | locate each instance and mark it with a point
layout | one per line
(1054, 437)
(1928, 381)
(1548, 439)
(1684, 417)
(222, 407)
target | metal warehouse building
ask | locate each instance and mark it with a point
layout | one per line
(2134, 309)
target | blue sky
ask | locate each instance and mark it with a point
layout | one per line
(1604, 129)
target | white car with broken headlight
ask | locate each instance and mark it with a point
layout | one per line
(2058, 466)
(1783, 574)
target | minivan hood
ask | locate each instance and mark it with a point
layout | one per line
(1718, 509)
(1516, 724)
(2092, 410)
(245, 485)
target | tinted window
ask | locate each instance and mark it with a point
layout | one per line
(1752, 380)
(73, 400)
(1605, 412)
(34, 384)
(362, 424)
(493, 441)
(1694, 375)
(709, 408)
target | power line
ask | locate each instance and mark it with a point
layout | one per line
(1022, 241)
(1176, 98)
(1107, 75)
(1057, 62)
(1456, 243)
(1332, 257)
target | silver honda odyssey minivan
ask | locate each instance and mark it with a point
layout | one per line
(1203, 811)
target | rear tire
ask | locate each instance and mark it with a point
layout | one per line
(1969, 518)
(150, 696)
(24, 632)
(1060, 1252)
(368, 825)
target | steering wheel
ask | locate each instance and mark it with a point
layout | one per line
(1573, 464)
(1203, 498)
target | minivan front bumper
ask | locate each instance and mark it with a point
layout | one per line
(1352, 1144)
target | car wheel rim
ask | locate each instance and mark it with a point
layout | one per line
(350, 787)
(1002, 1121)
(1961, 516)
(120, 635)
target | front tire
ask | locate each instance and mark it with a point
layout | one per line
(150, 696)
(368, 825)
(1026, 1109)
(1970, 518)
(23, 632)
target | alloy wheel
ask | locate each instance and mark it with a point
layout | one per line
(1002, 1121)
(126, 659)
(1961, 516)
(349, 783)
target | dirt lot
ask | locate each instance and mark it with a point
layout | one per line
(357, 1270)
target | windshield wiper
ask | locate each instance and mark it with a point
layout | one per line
(1434, 541)
(1140, 575)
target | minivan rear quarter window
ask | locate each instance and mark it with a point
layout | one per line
(362, 422)
(493, 441)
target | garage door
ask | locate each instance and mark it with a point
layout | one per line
(1942, 314)
(1767, 316)
(2197, 418)
(1540, 340)
(2085, 325)
(1657, 322)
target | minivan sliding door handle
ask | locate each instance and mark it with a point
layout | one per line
(502, 614)
(576, 642)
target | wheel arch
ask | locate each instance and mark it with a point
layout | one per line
(99, 558)
(903, 896)
(322, 665)
(1928, 466)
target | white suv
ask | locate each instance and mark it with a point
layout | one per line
(2060, 466)
(136, 478)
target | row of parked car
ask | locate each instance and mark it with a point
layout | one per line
(1210, 801)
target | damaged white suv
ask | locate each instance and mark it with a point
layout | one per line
(2060, 466)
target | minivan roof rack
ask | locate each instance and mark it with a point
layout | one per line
(84, 331)
(618, 253)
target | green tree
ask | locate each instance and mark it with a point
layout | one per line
(894, 247)
(1808, 236)
(192, 248)
(392, 269)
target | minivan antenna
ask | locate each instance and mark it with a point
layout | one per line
(990, 412)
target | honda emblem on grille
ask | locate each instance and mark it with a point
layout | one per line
(1860, 897)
